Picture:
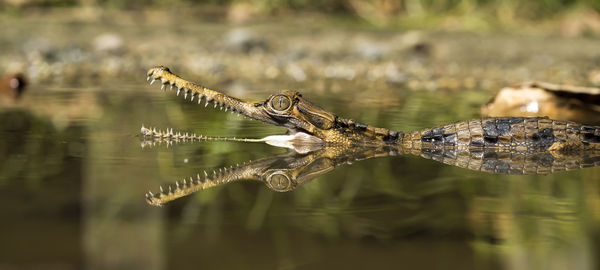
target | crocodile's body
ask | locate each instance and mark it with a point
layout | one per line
(288, 109)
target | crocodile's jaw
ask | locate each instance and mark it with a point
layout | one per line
(298, 116)
(197, 92)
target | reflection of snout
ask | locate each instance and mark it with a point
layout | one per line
(12, 86)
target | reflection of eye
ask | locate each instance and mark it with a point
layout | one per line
(281, 102)
(279, 182)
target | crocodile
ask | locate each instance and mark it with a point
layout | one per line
(310, 124)
(322, 141)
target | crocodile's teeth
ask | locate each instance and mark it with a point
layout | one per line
(215, 105)
(162, 87)
(185, 95)
(171, 88)
(150, 193)
(153, 80)
(226, 108)
(206, 104)
(178, 91)
(205, 174)
(192, 97)
(148, 78)
(161, 189)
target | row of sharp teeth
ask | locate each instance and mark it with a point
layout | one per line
(166, 136)
(169, 134)
(187, 92)
(186, 184)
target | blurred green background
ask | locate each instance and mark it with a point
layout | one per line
(73, 175)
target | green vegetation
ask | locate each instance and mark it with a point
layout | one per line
(370, 9)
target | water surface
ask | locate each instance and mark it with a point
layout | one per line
(74, 175)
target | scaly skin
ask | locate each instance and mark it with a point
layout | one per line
(288, 109)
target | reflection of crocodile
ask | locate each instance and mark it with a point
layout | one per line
(287, 171)
(317, 126)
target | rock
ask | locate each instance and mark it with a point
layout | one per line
(12, 87)
(109, 43)
(560, 102)
(372, 51)
(242, 40)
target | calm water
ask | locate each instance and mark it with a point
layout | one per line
(73, 178)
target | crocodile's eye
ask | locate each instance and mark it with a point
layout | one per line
(281, 102)
(280, 182)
